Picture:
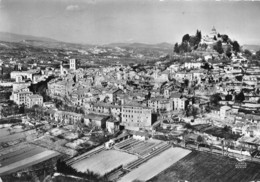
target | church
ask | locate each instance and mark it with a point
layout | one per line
(209, 39)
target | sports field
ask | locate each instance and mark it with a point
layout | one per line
(202, 166)
(104, 161)
(155, 165)
(24, 157)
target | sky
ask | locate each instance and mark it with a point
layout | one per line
(146, 21)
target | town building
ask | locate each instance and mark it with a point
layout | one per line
(96, 120)
(20, 76)
(20, 85)
(179, 103)
(34, 100)
(193, 65)
(112, 125)
(20, 96)
(73, 64)
(135, 117)
(65, 117)
(224, 111)
(160, 104)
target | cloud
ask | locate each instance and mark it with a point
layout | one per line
(71, 7)
(82, 6)
(91, 2)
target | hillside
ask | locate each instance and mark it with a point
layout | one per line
(163, 45)
(11, 37)
(252, 47)
(221, 44)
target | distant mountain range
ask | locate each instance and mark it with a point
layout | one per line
(40, 41)
(12, 37)
(252, 47)
(48, 42)
(163, 45)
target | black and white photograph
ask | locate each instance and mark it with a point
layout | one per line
(129, 90)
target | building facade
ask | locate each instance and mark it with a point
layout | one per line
(34, 100)
(73, 64)
(136, 117)
(20, 96)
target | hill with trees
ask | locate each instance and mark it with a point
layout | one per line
(221, 43)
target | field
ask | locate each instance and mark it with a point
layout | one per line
(24, 157)
(201, 166)
(104, 161)
(155, 165)
(4, 131)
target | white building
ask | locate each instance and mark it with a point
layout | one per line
(224, 110)
(160, 103)
(135, 117)
(23, 75)
(73, 64)
(20, 96)
(209, 39)
(178, 102)
(34, 100)
(20, 85)
(192, 65)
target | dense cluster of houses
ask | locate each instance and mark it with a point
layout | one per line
(139, 97)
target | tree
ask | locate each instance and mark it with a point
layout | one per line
(215, 38)
(239, 78)
(215, 98)
(188, 111)
(176, 48)
(226, 128)
(228, 52)
(225, 38)
(21, 109)
(194, 41)
(207, 66)
(58, 103)
(247, 53)
(218, 47)
(236, 46)
(228, 97)
(188, 126)
(198, 35)
(186, 38)
(184, 47)
(186, 82)
(240, 97)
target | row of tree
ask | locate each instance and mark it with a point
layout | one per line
(188, 43)
(233, 46)
(63, 168)
(215, 98)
